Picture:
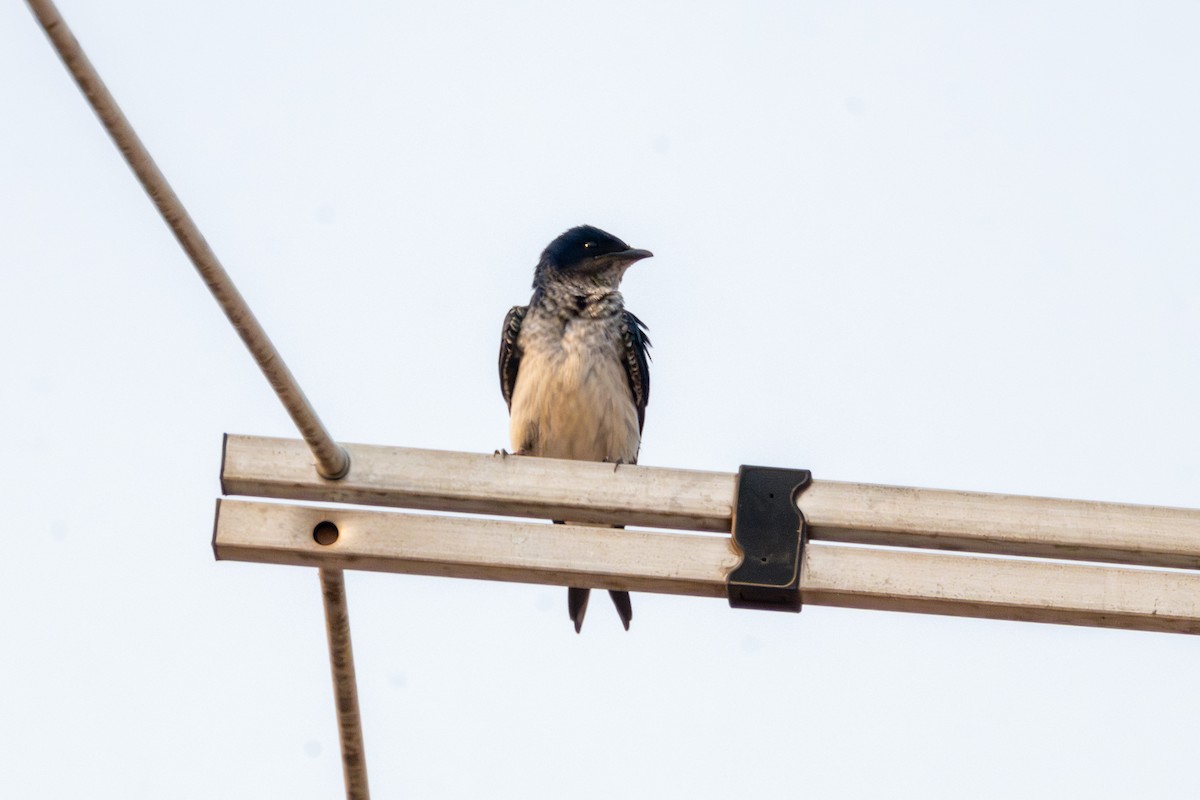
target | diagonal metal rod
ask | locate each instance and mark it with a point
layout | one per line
(332, 461)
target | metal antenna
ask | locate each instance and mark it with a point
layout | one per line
(332, 461)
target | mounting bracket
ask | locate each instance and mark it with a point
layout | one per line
(769, 529)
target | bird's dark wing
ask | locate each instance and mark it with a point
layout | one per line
(637, 362)
(510, 352)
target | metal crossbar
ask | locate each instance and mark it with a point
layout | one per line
(1018, 558)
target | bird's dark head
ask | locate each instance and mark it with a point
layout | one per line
(586, 256)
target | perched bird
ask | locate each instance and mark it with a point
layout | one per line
(574, 368)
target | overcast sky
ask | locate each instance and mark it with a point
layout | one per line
(950, 245)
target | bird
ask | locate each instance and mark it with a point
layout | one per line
(574, 366)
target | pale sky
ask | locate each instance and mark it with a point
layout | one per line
(946, 245)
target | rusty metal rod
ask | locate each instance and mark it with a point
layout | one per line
(332, 460)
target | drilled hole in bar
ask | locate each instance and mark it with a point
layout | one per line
(325, 533)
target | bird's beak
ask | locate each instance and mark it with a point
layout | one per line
(631, 255)
(620, 260)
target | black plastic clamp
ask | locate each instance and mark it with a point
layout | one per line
(769, 528)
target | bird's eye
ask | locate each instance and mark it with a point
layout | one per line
(588, 244)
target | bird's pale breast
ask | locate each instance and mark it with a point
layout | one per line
(572, 396)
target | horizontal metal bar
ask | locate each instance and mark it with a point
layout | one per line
(1039, 527)
(690, 564)
(438, 480)
(703, 501)
(466, 547)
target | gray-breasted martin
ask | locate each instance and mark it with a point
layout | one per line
(574, 368)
